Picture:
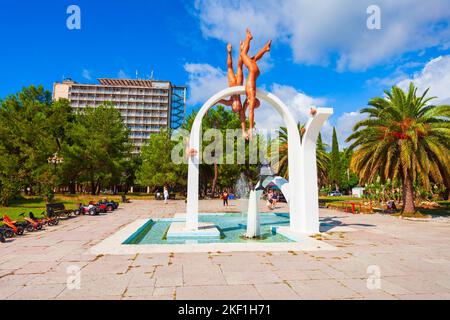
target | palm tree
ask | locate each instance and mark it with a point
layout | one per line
(403, 138)
(281, 163)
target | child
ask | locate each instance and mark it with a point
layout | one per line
(225, 198)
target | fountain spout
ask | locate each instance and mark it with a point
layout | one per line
(253, 223)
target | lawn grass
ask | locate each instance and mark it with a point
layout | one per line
(326, 200)
(37, 204)
(440, 212)
(343, 202)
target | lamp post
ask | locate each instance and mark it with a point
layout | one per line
(55, 160)
(264, 172)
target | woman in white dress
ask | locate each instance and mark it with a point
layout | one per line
(166, 194)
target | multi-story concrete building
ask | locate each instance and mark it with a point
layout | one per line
(146, 105)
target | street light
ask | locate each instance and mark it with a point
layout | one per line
(55, 160)
(264, 172)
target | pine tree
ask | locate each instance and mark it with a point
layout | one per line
(335, 161)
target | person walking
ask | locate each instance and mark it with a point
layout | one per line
(225, 196)
(274, 199)
(270, 199)
(166, 194)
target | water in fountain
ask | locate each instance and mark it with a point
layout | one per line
(242, 191)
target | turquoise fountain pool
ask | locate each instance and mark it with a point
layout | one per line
(231, 227)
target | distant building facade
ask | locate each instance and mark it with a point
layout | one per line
(146, 106)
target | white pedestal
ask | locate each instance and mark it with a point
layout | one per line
(205, 230)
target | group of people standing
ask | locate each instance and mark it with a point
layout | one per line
(272, 198)
(165, 194)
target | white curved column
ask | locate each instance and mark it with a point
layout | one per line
(309, 195)
(294, 152)
(194, 162)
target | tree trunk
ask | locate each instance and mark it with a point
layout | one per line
(72, 188)
(93, 187)
(408, 195)
(97, 187)
(214, 182)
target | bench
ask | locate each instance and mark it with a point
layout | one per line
(57, 210)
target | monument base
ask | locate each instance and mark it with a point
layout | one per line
(205, 230)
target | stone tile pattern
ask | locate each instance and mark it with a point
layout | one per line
(412, 257)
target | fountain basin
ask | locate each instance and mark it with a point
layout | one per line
(230, 226)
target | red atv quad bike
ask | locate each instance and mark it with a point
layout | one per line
(31, 225)
(87, 210)
(110, 205)
(104, 207)
(20, 225)
(45, 220)
(2, 235)
(11, 228)
(101, 207)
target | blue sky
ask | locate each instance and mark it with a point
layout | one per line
(323, 53)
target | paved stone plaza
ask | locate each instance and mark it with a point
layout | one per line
(413, 258)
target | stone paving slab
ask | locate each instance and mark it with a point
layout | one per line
(233, 292)
(412, 257)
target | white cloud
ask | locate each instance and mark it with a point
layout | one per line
(400, 73)
(86, 74)
(204, 81)
(317, 31)
(436, 76)
(298, 103)
(122, 74)
(344, 126)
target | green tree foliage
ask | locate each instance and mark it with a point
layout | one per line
(335, 162)
(157, 168)
(348, 179)
(221, 175)
(281, 166)
(405, 138)
(32, 129)
(98, 148)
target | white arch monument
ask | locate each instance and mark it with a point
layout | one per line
(303, 188)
